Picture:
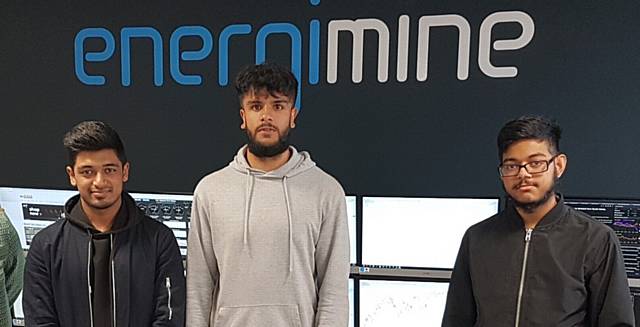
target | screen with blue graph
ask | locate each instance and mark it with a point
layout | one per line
(623, 216)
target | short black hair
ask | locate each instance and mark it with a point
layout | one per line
(93, 136)
(269, 77)
(529, 127)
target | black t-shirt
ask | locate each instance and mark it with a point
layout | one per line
(100, 269)
(101, 296)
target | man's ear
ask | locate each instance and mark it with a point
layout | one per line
(72, 175)
(243, 125)
(561, 164)
(125, 172)
(294, 115)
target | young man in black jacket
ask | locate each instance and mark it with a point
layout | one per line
(105, 264)
(538, 262)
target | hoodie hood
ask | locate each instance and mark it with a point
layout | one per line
(298, 163)
(128, 216)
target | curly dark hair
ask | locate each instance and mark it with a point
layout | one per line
(269, 77)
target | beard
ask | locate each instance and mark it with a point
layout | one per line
(266, 151)
(531, 206)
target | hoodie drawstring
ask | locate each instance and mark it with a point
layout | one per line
(286, 200)
(247, 205)
(247, 211)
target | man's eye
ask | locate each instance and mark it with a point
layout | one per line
(536, 164)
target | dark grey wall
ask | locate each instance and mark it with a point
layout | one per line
(435, 137)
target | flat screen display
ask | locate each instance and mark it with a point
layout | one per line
(402, 303)
(418, 232)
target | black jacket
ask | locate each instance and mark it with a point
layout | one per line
(574, 274)
(147, 272)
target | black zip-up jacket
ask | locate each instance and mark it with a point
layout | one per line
(147, 274)
(574, 274)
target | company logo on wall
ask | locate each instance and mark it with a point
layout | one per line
(356, 27)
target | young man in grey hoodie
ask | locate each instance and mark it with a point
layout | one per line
(269, 243)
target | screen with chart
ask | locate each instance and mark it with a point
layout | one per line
(623, 216)
(401, 303)
(418, 232)
(31, 209)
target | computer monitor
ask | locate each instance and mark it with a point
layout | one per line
(623, 216)
(351, 304)
(386, 303)
(418, 232)
(32, 209)
(351, 218)
(173, 210)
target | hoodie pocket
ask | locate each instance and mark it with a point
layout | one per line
(279, 315)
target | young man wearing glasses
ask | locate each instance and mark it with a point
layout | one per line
(538, 262)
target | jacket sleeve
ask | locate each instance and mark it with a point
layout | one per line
(37, 300)
(460, 309)
(202, 266)
(14, 260)
(170, 283)
(12, 265)
(332, 263)
(609, 302)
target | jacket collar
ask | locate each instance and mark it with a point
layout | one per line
(548, 221)
(128, 215)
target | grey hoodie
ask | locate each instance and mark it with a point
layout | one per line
(268, 248)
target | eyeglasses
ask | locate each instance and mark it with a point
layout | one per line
(533, 167)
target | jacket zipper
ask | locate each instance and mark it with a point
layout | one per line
(168, 285)
(113, 279)
(527, 239)
(89, 278)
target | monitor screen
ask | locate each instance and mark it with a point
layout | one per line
(623, 216)
(351, 215)
(31, 209)
(351, 304)
(402, 303)
(418, 232)
(173, 210)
